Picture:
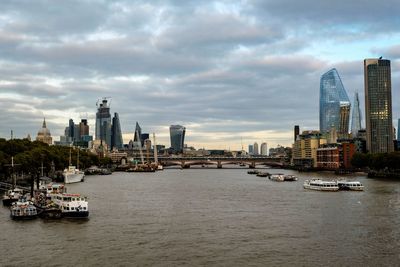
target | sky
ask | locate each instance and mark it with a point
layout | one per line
(232, 72)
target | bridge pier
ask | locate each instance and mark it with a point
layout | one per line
(219, 165)
(252, 165)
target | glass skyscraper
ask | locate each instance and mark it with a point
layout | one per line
(103, 123)
(177, 135)
(334, 104)
(356, 116)
(116, 137)
(137, 136)
(378, 105)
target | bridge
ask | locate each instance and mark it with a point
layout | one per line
(251, 162)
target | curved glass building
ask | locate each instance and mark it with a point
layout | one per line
(334, 104)
(177, 135)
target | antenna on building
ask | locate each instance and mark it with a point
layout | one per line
(12, 135)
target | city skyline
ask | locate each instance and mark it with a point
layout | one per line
(227, 72)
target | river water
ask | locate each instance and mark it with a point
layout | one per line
(213, 217)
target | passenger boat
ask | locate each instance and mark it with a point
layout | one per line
(320, 185)
(253, 172)
(350, 185)
(71, 205)
(12, 196)
(23, 210)
(290, 178)
(277, 177)
(262, 174)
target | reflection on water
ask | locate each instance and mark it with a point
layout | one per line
(213, 217)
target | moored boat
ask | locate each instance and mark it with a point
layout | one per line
(23, 210)
(350, 185)
(263, 174)
(320, 185)
(277, 177)
(12, 196)
(290, 178)
(73, 175)
(253, 172)
(71, 205)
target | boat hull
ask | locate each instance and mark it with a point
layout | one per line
(7, 202)
(75, 214)
(319, 188)
(73, 178)
(24, 218)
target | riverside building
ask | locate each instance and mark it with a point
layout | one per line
(378, 105)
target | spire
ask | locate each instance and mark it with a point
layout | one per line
(44, 123)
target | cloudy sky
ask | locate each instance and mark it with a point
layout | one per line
(227, 70)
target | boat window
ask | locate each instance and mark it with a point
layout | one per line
(72, 208)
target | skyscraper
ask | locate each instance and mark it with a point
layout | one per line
(334, 104)
(296, 131)
(398, 130)
(137, 136)
(177, 135)
(378, 105)
(116, 133)
(255, 148)
(356, 116)
(103, 122)
(264, 149)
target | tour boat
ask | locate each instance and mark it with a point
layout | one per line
(277, 177)
(12, 196)
(350, 185)
(290, 178)
(318, 184)
(23, 210)
(253, 172)
(71, 205)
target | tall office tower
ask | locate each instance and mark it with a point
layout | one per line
(103, 122)
(264, 149)
(116, 133)
(255, 148)
(378, 105)
(177, 135)
(83, 127)
(296, 131)
(356, 116)
(251, 150)
(71, 129)
(398, 130)
(137, 136)
(334, 104)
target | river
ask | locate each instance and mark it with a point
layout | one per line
(213, 217)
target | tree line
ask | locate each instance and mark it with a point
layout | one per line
(30, 156)
(377, 162)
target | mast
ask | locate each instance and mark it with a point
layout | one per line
(140, 147)
(70, 148)
(155, 149)
(77, 160)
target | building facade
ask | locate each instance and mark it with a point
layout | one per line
(304, 153)
(103, 123)
(378, 105)
(116, 133)
(177, 136)
(255, 149)
(334, 104)
(264, 149)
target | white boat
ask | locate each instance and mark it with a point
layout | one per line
(277, 177)
(320, 185)
(350, 185)
(23, 210)
(71, 205)
(290, 178)
(12, 196)
(73, 174)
